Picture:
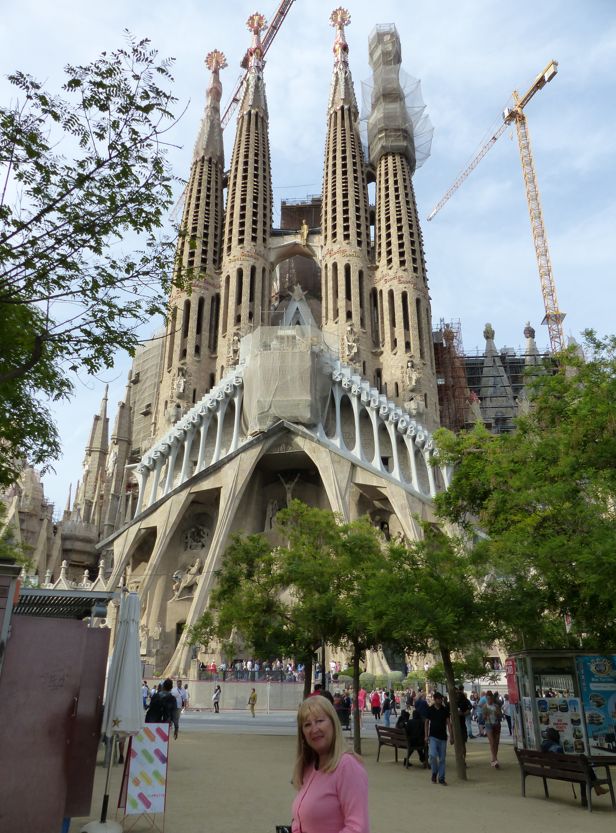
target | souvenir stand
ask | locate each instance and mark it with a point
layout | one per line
(572, 691)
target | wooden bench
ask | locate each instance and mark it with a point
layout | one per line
(390, 737)
(577, 769)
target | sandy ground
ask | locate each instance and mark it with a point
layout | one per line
(239, 783)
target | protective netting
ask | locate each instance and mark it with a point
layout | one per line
(394, 117)
(287, 377)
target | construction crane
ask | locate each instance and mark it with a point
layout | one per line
(270, 34)
(553, 316)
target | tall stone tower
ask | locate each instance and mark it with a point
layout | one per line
(399, 302)
(345, 224)
(191, 338)
(245, 289)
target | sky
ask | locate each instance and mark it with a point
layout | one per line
(470, 55)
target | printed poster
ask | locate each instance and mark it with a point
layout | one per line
(147, 770)
(529, 723)
(565, 715)
(597, 675)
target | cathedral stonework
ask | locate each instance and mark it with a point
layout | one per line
(299, 363)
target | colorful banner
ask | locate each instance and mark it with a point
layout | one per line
(147, 770)
(597, 676)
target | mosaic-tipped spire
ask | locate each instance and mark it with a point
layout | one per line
(253, 99)
(209, 142)
(340, 18)
(342, 93)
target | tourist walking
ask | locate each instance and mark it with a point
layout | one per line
(331, 783)
(464, 708)
(216, 699)
(508, 712)
(180, 698)
(387, 708)
(375, 703)
(252, 702)
(415, 738)
(492, 716)
(437, 728)
(162, 704)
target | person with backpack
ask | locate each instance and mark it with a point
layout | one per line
(162, 705)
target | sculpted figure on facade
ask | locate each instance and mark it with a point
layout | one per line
(184, 583)
(351, 342)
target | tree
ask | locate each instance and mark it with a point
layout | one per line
(289, 600)
(436, 604)
(545, 497)
(82, 172)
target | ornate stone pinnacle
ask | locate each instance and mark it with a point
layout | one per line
(488, 331)
(256, 23)
(215, 60)
(529, 331)
(340, 17)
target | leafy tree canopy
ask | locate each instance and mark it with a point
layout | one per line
(545, 497)
(83, 173)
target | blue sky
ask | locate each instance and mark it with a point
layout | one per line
(469, 57)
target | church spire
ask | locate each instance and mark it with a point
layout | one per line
(191, 340)
(248, 219)
(345, 218)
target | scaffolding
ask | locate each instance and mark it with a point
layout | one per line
(453, 393)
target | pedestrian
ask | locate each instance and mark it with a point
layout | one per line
(375, 703)
(361, 699)
(180, 697)
(464, 709)
(216, 699)
(252, 701)
(162, 704)
(386, 709)
(331, 783)
(508, 713)
(421, 704)
(145, 694)
(415, 738)
(186, 697)
(437, 728)
(492, 716)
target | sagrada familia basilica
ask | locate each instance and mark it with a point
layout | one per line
(302, 364)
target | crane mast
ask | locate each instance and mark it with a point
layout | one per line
(272, 31)
(553, 316)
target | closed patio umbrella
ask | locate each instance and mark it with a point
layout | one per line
(123, 713)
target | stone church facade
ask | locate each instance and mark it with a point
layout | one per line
(300, 364)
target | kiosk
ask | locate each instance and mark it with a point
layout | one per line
(572, 691)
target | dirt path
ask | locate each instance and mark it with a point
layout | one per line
(230, 783)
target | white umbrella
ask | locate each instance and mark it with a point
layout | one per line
(123, 714)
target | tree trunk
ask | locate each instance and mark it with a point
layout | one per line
(307, 675)
(356, 714)
(453, 707)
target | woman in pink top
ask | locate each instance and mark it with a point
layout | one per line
(332, 784)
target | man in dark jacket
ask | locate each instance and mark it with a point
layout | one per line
(415, 738)
(162, 705)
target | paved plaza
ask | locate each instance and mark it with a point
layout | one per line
(231, 774)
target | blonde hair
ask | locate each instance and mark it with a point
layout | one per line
(306, 756)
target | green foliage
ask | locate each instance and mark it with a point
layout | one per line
(545, 496)
(367, 680)
(83, 171)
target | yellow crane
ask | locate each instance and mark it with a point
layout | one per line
(553, 316)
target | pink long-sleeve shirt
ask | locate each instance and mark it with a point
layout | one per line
(333, 802)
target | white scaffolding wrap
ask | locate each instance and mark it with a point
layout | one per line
(287, 376)
(394, 117)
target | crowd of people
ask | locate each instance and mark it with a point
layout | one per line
(252, 670)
